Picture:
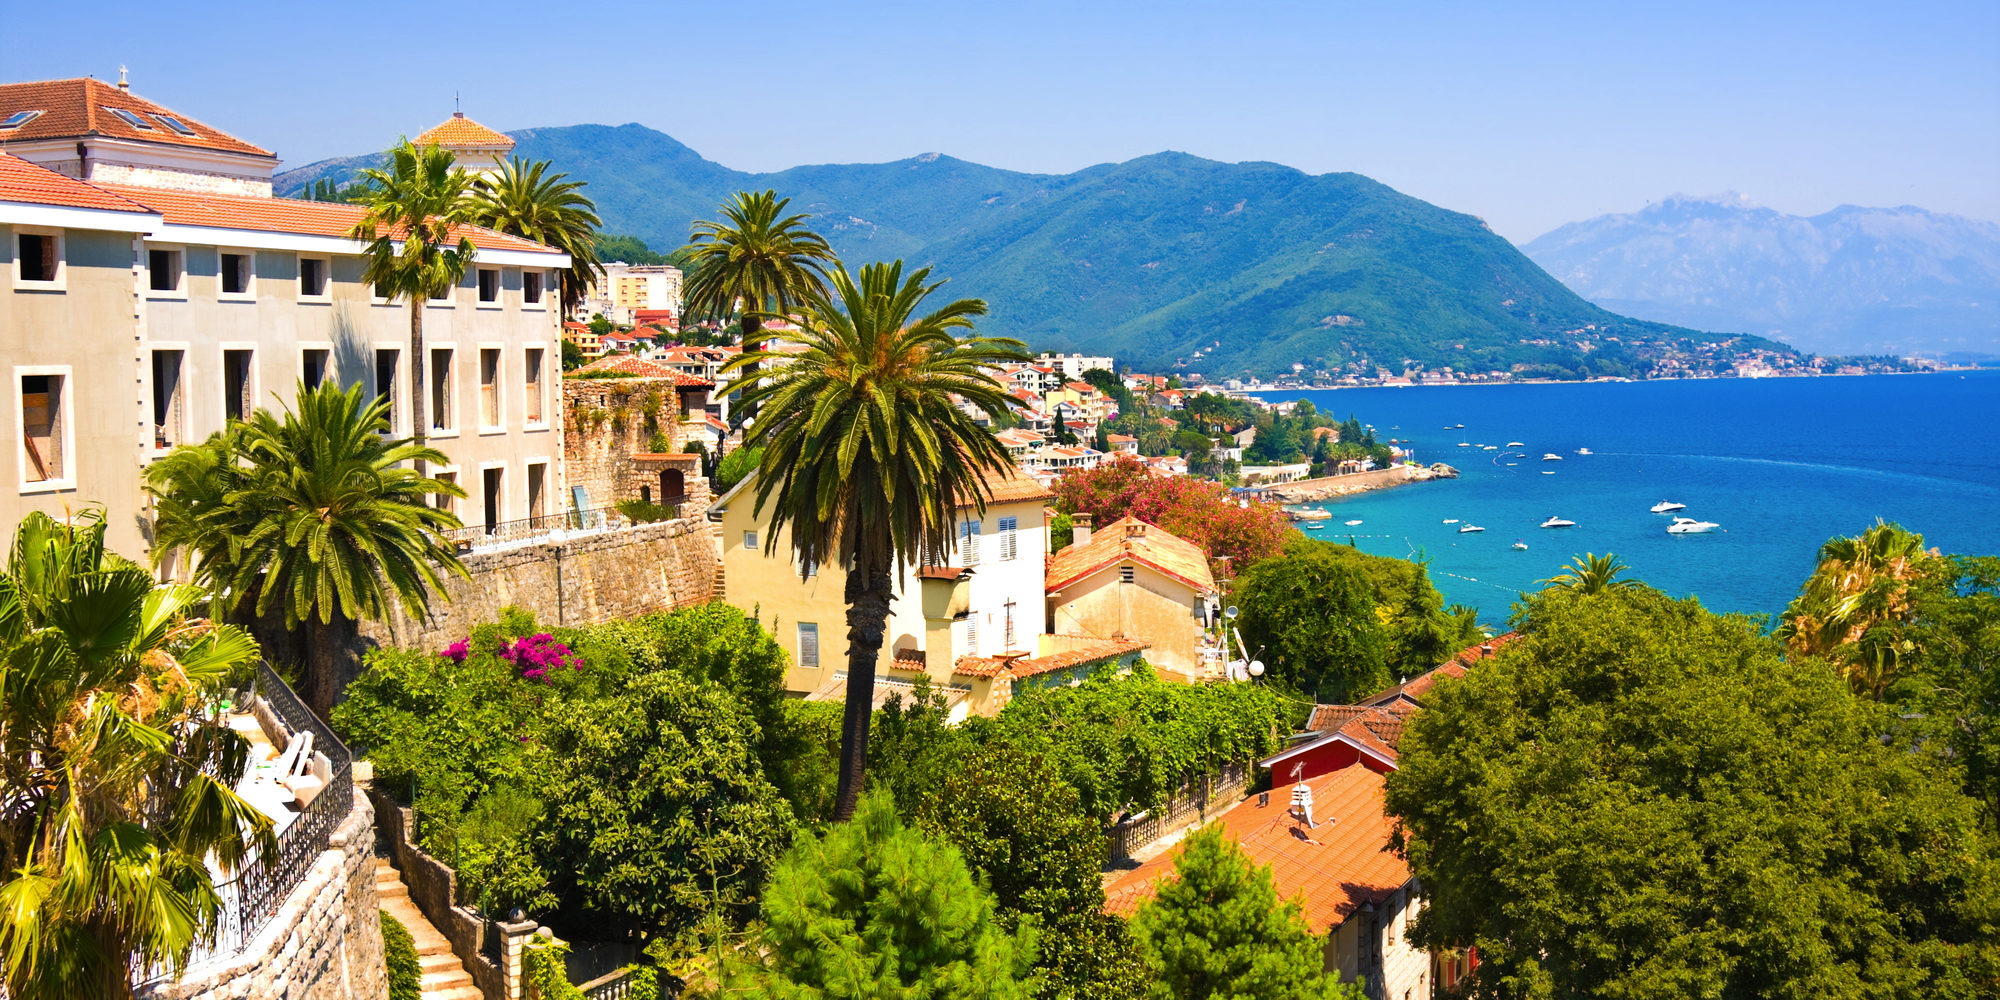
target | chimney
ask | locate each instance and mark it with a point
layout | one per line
(1135, 529)
(1302, 804)
(1081, 525)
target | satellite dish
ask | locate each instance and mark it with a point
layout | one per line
(1229, 612)
(1256, 668)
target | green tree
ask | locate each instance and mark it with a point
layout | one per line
(866, 454)
(1851, 609)
(415, 209)
(1216, 930)
(1643, 799)
(758, 263)
(117, 773)
(525, 200)
(1593, 574)
(1313, 613)
(736, 467)
(600, 325)
(658, 814)
(316, 514)
(1950, 687)
(626, 248)
(876, 909)
(572, 356)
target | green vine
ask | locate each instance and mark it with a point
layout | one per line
(542, 961)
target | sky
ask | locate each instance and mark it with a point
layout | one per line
(1528, 115)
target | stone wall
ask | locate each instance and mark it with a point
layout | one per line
(325, 944)
(607, 422)
(619, 573)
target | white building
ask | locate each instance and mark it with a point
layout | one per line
(1072, 366)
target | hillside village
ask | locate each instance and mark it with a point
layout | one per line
(593, 726)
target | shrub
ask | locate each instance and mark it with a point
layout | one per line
(646, 511)
(399, 953)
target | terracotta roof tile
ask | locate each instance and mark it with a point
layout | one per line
(1091, 650)
(1148, 545)
(459, 130)
(286, 215)
(21, 181)
(1334, 868)
(77, 108)
(646, 368)
(1010, 485)
(1417, 687)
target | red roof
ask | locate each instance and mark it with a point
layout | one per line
(646, 368)
(286, 215)
(459, 130)
(1131, 538)
(1333, 868)
(1090, 650)
(1417, 687)
(25, 182)
(78, 108)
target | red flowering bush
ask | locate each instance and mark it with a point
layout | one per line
(1200, 510)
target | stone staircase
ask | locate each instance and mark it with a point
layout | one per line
(444, 976)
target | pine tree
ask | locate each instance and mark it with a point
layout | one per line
(1216, 930)
(876, 909)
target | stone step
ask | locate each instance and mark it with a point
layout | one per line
(432, 982)
(391, 890)
(441, 962)
(466, 992)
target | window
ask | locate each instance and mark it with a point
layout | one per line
(37, 259)
(1009, 545)
(173, 123)
(169, 412)
(239, 384)
(531, 289)
(313, 362)
(972, 636)
(489, 284)
(163, 270)
(312, 277)
(236, 274)
(808, 644)
(1010, 625)
(489, 387)
(1124, 574)
(445, 501)
(493, 480)
(442, 419)
(386, 361)
(132, 118)
(20, 118)
(968, 542)
(538, 475)
(749, 539)
(44, 427)
(532, 385)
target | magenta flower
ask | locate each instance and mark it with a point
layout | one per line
(536, 656)
(456, 652)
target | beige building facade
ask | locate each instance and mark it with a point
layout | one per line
(1132, 580)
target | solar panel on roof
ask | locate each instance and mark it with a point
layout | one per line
(19, 118)
(174, 123)
(131, 118)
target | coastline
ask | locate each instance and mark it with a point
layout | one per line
(1263, 389)
(1327, 488)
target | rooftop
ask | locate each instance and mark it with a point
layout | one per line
(21, 181)
(286, 215)
(1087, 651)
(86, 107)
(461, 131)
(1133, 539)
(645, 368)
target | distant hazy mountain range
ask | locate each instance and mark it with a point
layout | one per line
(1258, 266)
(1853, 280)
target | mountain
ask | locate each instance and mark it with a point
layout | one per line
(1259, 267)
(1854, 280)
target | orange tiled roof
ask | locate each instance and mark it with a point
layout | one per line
(1417, 687)
(646, 368)
(287, 215)
(1010, 485)
(1334, 868)
(25, 182)
(459, 130)
(77, 108)
(1091, 651)
(1149, 545)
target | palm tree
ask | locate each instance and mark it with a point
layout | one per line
(117, 776)
(549, 210)
(316, 514)
(1593, 574)
(413, 208)
(865, 455)
(761, 261)
(1849, 609)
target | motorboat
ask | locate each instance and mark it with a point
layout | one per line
(1313, 525)
(1520, 546)
(1311, 514)
(1548, 472)
(1469, 529)
(1458, 427)
(1690, 526)
(1551, 457)
(1451, 520)
(1668, 507)
(1555, 521)
(1352, 523)
(1515, 444)
(1465, 444)
(1583, 451)
(1489, 447)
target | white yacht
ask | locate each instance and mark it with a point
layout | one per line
(1551, 457)
(1515, 444)
(1469, 529)
(1352, 523)
(1555, 521)
(1690, 526)
(1451, 520)
(1583, 451)
(1668, 507)
(1465, 444)
(1520, 546)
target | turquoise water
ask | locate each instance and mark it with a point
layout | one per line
(1781, 464)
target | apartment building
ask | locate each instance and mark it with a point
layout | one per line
(151, 289)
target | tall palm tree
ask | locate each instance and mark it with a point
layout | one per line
(1849, 609)
(315, 514)
(526, 201)
(865, 455)
(1593, 574)
(760, 261)
(413, 208)
(117, 777)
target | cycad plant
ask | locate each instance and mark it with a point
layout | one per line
(865, 454)
(526, 200)
(116, 774)
(313, 514)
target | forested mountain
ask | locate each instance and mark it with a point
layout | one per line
(1854, 280)
(1257, 266)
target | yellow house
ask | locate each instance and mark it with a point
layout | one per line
(1131, 580)
(986, 602)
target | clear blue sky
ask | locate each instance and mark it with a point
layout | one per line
(1529, 115)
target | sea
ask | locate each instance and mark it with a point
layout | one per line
(1782, 464)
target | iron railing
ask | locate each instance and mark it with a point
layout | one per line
(618, 986)
(479, 536)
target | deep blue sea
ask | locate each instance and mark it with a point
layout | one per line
(1781, 464)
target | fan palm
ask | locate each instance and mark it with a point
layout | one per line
(526, 201)
(315, 514)
(116, 774)
(761, 260)
(865, 454)
(413, 208)
(1849, 608)
(1593, 574)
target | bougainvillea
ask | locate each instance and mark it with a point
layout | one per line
(457, 651)
(536, 656)
(1199, 510)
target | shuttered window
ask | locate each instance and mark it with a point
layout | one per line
(968, 542)
(1009, 544)
(808, 644)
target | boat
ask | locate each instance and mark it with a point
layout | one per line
(1458, 427)
(1551, 457)
(1583, 451)
(1489, 447)
(1313, 525)
(1513, 463)
(1515, 444)
(1548, 472)
(1465, 444)
(1352, 523)
(1556, 521)
(1451, 520)
(1690, 526)
(1311, 514)
(1469, 529)
(1520, 546)
(1668, 507)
